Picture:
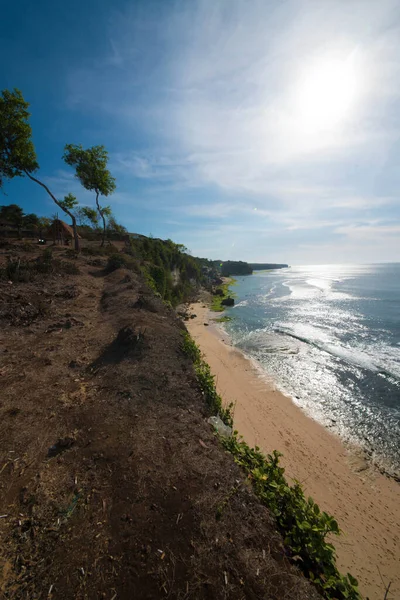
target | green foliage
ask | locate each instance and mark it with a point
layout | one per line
(114, 227)
(106, 211)
(17, 153)
(158, 278)
(233, 267)
(223, 319)
(119, 261)
(90, 167)
(86, 217)
(206, 380)
(44, 223)
(13, 214)
(303, 525)
(91, 170)
(68, 203)
(167, 269)
(31, 221)
(216, 303)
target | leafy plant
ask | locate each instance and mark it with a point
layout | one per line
(303, 525)
(206, 380)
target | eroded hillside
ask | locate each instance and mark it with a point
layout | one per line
(110, 478)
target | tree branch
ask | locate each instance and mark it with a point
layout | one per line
(49, 192)
(68, 212)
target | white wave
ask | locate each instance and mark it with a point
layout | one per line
(241, 303)
(375, 358)
(322, 284)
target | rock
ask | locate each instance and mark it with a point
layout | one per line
(60, 446)
(205, 324)
(193, 316)
(228, 302)
(128, 337)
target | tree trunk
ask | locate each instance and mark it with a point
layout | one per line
(103, 237)
(76, 238)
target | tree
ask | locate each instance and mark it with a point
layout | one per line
(115, 227)
(17, 152)
(31, 221)
(91, 216)
(44, 224)
(86, 217)
(13, 214)
(91, 170)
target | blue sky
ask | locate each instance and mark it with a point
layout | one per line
(245, 129)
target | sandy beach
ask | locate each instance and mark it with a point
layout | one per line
(365, 502)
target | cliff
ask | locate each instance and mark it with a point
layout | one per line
(267, 266)
(232, 267)
(112, 483)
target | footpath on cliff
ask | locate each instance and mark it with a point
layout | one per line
(112, 484)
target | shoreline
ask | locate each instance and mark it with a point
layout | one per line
(364, 501)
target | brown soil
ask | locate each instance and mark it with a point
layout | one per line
(110, 477)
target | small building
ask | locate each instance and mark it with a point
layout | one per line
(61, 232)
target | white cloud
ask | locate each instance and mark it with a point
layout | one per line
(206, 98)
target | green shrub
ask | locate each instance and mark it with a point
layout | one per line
(158, 277)
(115, 261)
(302, 524)
(206, 380)
(118, 261)
(158, 259)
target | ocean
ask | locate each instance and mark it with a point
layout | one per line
(329, 336)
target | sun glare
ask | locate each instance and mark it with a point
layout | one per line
(325, 95)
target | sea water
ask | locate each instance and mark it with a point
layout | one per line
(330, 338)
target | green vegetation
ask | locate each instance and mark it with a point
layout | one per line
(206, 380)
(17, 152)
(223, 319)
(91, 170)
(119, 261)
(168, 269)
(303, 525)
(235, 267)
(18, 159)
(216, 304)
(14, 215)
(267, 266)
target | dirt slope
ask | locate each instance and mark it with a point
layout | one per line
(110, 477)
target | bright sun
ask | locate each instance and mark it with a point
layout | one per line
(325, 95)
